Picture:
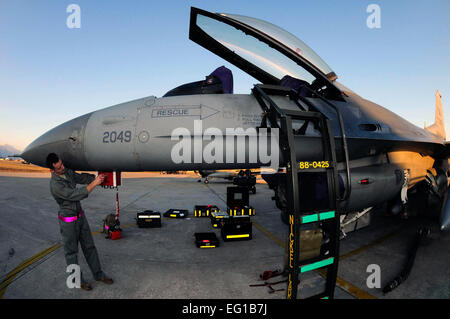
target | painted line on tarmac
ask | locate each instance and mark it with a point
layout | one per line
(269, 234)
(370, 245)
(25, 264)
(10, 277)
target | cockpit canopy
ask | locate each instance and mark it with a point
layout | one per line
(261, 49)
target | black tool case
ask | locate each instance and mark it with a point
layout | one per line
(216, 218)
(176, 213)
(205, 210)
(241, 211)
(148, 218)
(237, 197)
(236, 228)
(206, 240)
(238, 202)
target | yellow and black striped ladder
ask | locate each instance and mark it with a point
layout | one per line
(326, 214)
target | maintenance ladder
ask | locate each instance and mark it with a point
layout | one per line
(327, 219)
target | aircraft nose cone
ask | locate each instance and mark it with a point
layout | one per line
(66, 140)
(34, 153)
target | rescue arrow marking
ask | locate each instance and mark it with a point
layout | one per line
(202, 111)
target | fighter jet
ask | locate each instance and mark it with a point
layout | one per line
(223, 174)
(229, 175)
(204, 126)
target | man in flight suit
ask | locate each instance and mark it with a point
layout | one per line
(73, 224)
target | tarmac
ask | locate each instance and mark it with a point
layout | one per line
(164, 263)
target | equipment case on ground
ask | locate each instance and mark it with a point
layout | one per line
(148, 218)
(236, 228)
(205, 210)
(237, 196)
(241, 211)
(176, 213)
(206, 240)
(238, 202)
(216, 218)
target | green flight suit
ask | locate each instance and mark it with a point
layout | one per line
(68, 196)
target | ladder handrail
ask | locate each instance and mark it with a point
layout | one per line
(282, 113)
(259, 89)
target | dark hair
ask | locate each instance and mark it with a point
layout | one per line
(52, 158)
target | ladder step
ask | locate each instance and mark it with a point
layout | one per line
(316, 265)
(305, 219)
(322, 295)
(302, 115)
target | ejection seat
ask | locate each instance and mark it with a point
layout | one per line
(220, 81)
(298, 85)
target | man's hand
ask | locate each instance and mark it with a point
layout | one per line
(97, 181)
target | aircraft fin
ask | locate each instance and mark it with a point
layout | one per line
(438, 128)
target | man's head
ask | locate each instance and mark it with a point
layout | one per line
(55, 164)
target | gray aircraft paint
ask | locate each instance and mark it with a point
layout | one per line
(150, 144)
